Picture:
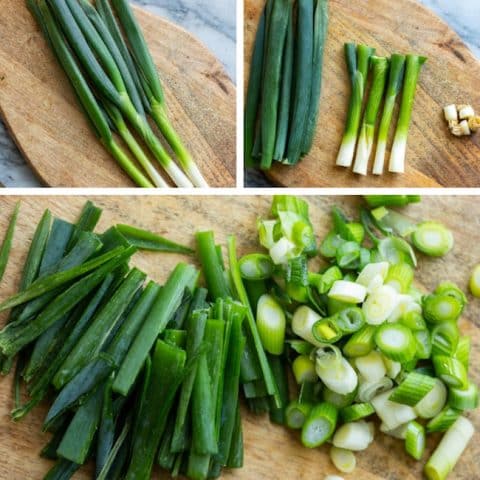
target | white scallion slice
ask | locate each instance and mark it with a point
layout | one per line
(371, 273)
(344, 460)
(391, 413)
(371, 366)
(355, 436)
(400, 432)
(271, 324)
(380, 304)
(348, 292)
(433, 402)
(335, 371)
(303, 321)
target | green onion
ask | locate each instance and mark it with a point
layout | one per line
(302, 87)
(451, 371)
(414, 321)
(371, 366)
(400, 432)
(463, 399)
(393, 368)
(433, 238)
(271, 324)
(256, 266)
(278, 365)
(475, 281)
(374, 201)
(335, 371)
(395, 81)
(303, 321)
(7, 241)
(338, 400)
(439, 309)
(145, 240)
(354, 436)
(319, 425)
(380, 67)
(415, 440)
(433, 402)
(344, 460)
(348, 255)
(361, 343)
(350, 320)
(349, 292)
(296, 414)
(413, 389)
(303, 368)
(413, 66)
(396, 342)
(423, 344)
(326, 330)
(391, 222)
(380, 305)
(320, 30)
(449, 450)
(451, 290)
(355, 412)
(463, 351)
(400, 277)
(277, 30)
(443, 421)
(391, 413)
(373, 275)
(358, 60)
(445, 339)
(369, 390)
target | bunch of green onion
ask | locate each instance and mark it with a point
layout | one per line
(117, 85)
(285, 82)
(388, 77)
(359, 338)
(136, 370)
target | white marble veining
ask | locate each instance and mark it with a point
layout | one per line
(211, 21)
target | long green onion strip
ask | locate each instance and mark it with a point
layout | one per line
(380, 67)
(8, 240)
(413, 66)
(358, 61)
(394, 86)
(85, 94)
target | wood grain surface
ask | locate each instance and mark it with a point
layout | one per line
(42, 114)
(271, 452)
(434, 158)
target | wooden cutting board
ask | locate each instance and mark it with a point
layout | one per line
(42, 114)
(271, 452)
(435, 158)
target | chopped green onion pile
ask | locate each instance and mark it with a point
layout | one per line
(116, 82)
(389, 77)
(139, 374)
(285, 84)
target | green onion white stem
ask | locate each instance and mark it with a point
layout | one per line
(335, 371)
(355, 436)
(348, 292)
(271, 324)
(413, 67)
(344, 460)
(380, 304)
(433, 402)
(371, 366)
(303, 321)
(391, 413)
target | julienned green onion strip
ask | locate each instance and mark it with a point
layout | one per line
(303, 80)
(319, 425)
(413, 67)
(146, 240)
(320, 30)
(277, 31)
(366, 137)
(412, 389)
(156, 96)
(396, 342)
(271, 324)
(7, 241)
(84, 93)
(432, 238)
(415, 440)
(358, 60)
(449, 450)
(395, 82)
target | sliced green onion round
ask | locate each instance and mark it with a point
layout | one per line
(303, 368)
(433, 238)
(391, 413)
(451, 371)
(256, 266)
(415, 440)
(464, 399)
(350, 320)
(319, 425)
(271, 324)
(355, 436)
(396, 342)
(296, 413)
(373, 275)
(462, 353)
(413, 389)
(439, 308)
(400, 432)
(414, 321)
(326, 330)
(475, 282)
(369, 390)
(433, 402)
(335, 371)
(371, 366)
(349, 292)
(344, 460)
(452, 290)
(303, 321)
(449, 450)
(380, 304)
(400, 277)
(357, 411)
(393, 368)
(423, 344)
(361, 342)
(348, 255)
(283, 250)
(443, 421)
(338, 400)
(445, 339)
(327, 279)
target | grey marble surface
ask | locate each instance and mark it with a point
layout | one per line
(462, 16)
(211, 21)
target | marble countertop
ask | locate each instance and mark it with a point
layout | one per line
(211, 21)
